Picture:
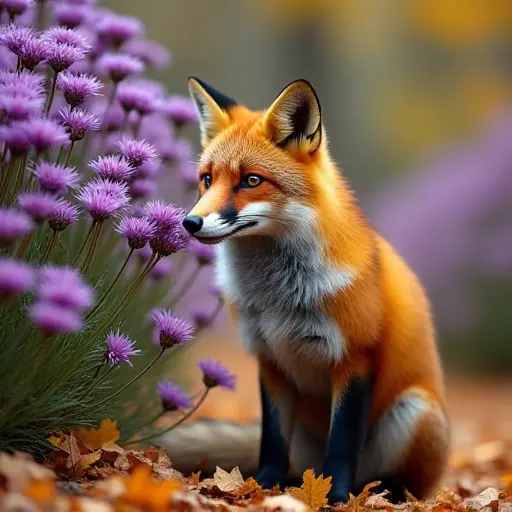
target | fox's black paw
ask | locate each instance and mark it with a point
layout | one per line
(269, 477)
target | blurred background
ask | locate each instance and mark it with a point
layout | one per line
(416, 99)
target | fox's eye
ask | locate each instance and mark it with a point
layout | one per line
(207, 180)
(251, 181)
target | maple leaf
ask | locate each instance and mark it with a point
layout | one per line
(228, 482)
(93, 439)
(249, 486)
(313, 491)
(194, 479)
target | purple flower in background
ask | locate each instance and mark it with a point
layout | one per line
(181, 110)
(52, 319)
(13, 226)
(149, 52)
(14, 36)
(148, 169)
(119, 66)
(19, 105)
(176, 151)
(78, 87)
(162, 269)
(173, 397)
(44, 134)
(137, 152)
(32, 52)
(71, 15)
(137, 230)
(204, 254)
(55, 178)
(216, 374)
(117, 29)
(62, 56)
(113, 167)
(16, 7)
(119, 349)
(15, 277)
(39, 205)
(143, 187)
(170, 242)
(64, 214)
(78, 122)
(189, 175)
(215, 290)
(167, 217)
(144, 254)
(102, 198)
(171, 329)
(31, 82)
(133, 96)
(16, 138)
(201, 317)
(66, 36)
(113, 117)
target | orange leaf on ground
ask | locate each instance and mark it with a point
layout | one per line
(313, 491)
(249, 486)
(506, 481)
(194, 479)
(93, 438)
(86, 461)
(41, 491)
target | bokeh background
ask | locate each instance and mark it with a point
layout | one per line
(416, 97)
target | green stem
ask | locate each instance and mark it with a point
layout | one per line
(107, 292)
(68, 157)
(86, 240)
(92, 246)
(51, 94)
(124, 124)
(24, 244)
(179, 422)
(152, 420)
(19, 177)
(137, 377)
(136, 127)
(59, 156)
(185, 287)
(4, 155)
(6, 178)
(50, 245)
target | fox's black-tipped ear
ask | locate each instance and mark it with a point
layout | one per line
(295, 118)
(212, 107)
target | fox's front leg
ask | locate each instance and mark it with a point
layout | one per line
(349, 421)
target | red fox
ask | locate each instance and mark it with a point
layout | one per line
(350, 375)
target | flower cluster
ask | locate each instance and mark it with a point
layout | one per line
(87, 144)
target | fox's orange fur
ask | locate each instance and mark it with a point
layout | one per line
(375, 308)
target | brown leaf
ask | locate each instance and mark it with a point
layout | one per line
(313, 491)
(94, 438)
(111, 451)
(194, 479)
(228, 482)
(378, 501)
(86, 461)
(136, 459)
(249, 486)
(488, 498)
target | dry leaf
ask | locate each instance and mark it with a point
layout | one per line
(110, 452)
(488, 498)
(194, 479)
(313, 491)
(506, 481)
(228, 482)
(249, 486)
(94, 438)
(136, 459)
(55, 441)
(19, 469)
(378, 501)
(86, 461)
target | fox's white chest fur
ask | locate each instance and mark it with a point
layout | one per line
(277, 286)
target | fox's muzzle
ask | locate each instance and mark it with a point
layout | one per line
(192, 223)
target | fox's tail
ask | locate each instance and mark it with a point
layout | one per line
(206, 444)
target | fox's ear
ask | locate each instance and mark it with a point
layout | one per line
(295, 118)
(212, 107)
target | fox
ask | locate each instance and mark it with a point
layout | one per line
(350, 376)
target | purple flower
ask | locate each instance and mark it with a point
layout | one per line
(170, 242)
(178, 151)
(215, 290)
(78, 122)
(71, 15)
(162, 269)
(14, 36)
(15, 277)
(202, 317)
(172, 330)
(181, 110)
(16, 138)
(52, 319)
(149, 52)
(133, 96)
(13, 226)
(61, 56)
(204, 254)
(56, 178)
(18, 105)
(16, 7)
(173, 397)
(78, 87)
(137, 230)
(44, 134)
(216, 374)
(117, 29)
(64, 287)
(148, 169)
(114, 167)
(64, 214)
(167, 217)
(119, 349)
(32, 83)
(119, 66)
(137, 152)
(32, 52)
(67, 36)
(39, 205)
(143, 187)
(102, 198)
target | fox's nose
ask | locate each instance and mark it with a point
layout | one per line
(192, 223)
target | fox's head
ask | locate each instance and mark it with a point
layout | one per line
(259, 172)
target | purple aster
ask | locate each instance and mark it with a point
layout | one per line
(64, 214)
(181, 110)
(136, 151)
(132, 96)
(15, 277)
(137, 230)
(177, 151)
(67, 36)
(162, 269)
(216, 374)
(143, 187)
(61, 56)
(170, 242)
(117, 29)
(119, 66)
(119, 349)
(31, 82)
(32, 52)
(215, 290)
(18, 105)
(202, 317)
(71, 15)
(173, 397)
(114, 167)
(16, 138)
(102, 198)
(204, 254)
(39, 205)
(78, 87)
(167, 217)
(44, 134)
(64, 287)
(171, 329)
(14, 36)
(16, 7)
(56, 178)
(78, 122)
(149, 52)
(148, 169)
(13, 226)
(52, 319)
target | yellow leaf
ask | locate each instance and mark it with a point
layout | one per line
(194, 479)
(249, 486)
(228, 482)
(93, 438)
(313, 491)
(55, 441)
(86, 461)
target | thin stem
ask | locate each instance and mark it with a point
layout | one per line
(185, 286)
(104, 131)
(124, 124)
(112, 284)
(179, 422)
(19, 176)
(136, 127)
(92, 246)
(68, 157)
(87, 237)
(61, 153)
(50, 245)
(24, 244)
(51, 94)
(137, 377)
(6, 178)
(40, 14)
(4, 155)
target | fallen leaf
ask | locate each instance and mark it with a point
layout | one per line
(313, 491)
(94, 438)
(111, 451)
(136, 459)
(377, 501)
(228, 482)
(86, 461)
(55, 440)
(249, 486)
(41, 491)
(488, 498)
(506, 481)
(194, 479)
